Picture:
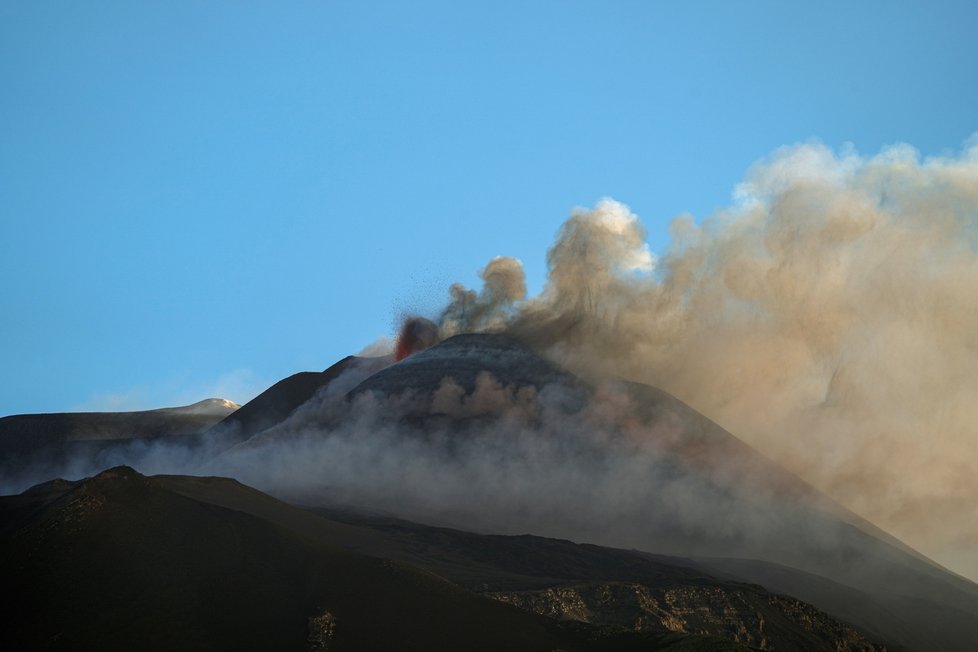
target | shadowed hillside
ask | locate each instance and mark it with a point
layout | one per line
(532, 572)
(120, 561)
(695, 532)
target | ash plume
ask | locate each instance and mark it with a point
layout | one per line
(503, 285)
(829, 318)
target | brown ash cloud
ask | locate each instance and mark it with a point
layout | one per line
(829, 318)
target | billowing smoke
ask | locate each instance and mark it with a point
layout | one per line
(829, 318)
(503, 285)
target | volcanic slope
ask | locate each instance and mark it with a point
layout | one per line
(558, 578)
(36, 447)
(654, 475)
(277, 402)
(617, 464)
(122, 561)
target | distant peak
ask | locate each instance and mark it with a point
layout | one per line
(216, 406)
(215, 402)
(119, 472)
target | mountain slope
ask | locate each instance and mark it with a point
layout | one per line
(36, 447)
(119, 561)
(480, 433)
(25, 431)
(520, 569)
(693, 488)
(278, 401)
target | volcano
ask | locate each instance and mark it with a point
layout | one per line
(643, 512)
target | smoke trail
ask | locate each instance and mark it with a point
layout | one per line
(829, 318)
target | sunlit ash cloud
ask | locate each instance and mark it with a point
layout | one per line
(829, 318)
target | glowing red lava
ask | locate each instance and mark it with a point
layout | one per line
(417, 334)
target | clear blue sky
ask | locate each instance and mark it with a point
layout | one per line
(199, 198)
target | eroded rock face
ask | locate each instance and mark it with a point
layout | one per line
(751, 617)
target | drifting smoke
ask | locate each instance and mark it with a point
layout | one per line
(514, 458)
(829, 318)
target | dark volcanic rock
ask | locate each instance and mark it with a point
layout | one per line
(463, 359)
(121, 561)
(744, 614)
(608, 586)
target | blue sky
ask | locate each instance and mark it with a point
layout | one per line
(199, 198)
